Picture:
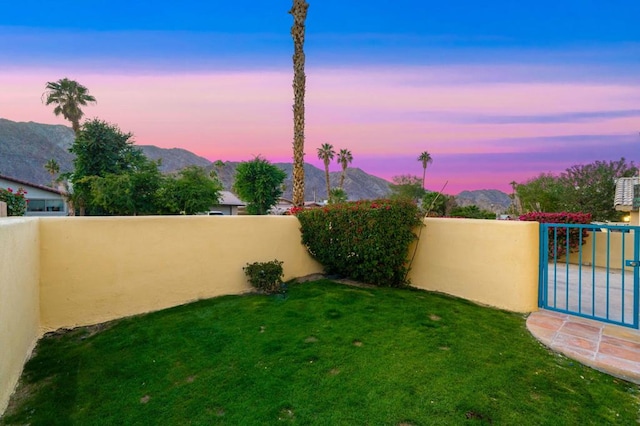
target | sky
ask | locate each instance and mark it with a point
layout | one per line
(495, 91)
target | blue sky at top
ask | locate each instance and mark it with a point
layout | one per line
(508, 86)
(376, 31)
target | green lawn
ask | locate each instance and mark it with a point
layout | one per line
(328, 354)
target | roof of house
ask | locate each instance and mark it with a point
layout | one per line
(32, 185)
(229, 199)
(623, 199)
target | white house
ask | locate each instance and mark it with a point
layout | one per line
(229, 204)
(42, 200)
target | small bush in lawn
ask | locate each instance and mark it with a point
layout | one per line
(366, 241)
(265, 276)
(558, 236)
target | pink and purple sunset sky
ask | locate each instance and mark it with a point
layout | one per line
(495, 93)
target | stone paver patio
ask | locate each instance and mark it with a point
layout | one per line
(608, 348)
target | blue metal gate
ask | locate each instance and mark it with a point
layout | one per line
(591, 271)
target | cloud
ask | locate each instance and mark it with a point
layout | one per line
(564, 117)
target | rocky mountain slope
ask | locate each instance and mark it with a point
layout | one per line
(486, 199)
(26, 147)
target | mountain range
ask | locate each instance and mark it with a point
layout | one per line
(26, 147)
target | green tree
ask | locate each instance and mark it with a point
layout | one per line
(585, 188)
(543, 193)
(438, 204)
(326, 154)
(590, 188)
(337, 195)
(132, 193)
(68, 96)
(407, 187)
(425, 159)
(299, 13)
(53, 168)
(344, 159)
(218, 167)
(190, 191)
(259, 183)
(472, 212)
(100, 149)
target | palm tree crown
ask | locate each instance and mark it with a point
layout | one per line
(344, 159)
(426, 159)
(53, 168)
(68, 95)
(326, 154)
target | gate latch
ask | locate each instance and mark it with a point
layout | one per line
(633, 263)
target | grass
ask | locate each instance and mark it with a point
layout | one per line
(328, 354)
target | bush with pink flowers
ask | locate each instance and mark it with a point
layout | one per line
(16, 202)
(558, 235)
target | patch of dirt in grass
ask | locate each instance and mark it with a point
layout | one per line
(334, 372)
(357, 343)
(444, 348)
(218, 411)
(262, 328)
(473, 415)
(286, 414)
(81, 332)
(311, 339)
(145, 399)
(434, 317)
(22, 394)
(191, 379)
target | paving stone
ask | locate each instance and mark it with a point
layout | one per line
(621, 333)
(608, 348)
(569, 341)
(586, 331)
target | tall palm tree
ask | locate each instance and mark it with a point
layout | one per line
(68, 95)
(344, 158)
(326, 154)
(299, 13)
(53, 168)
(517, 205)
(426, 159)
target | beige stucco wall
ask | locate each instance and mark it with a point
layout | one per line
(97, 269)
(486, 261)
(3, 209)
(71, 271)
(19, 299)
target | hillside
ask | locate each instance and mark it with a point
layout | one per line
(26, 147)
(486, 199)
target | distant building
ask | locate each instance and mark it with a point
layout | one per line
(229, 204)
(624, 197)
(42, 200)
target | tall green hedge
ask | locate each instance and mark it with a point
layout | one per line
(366, 241)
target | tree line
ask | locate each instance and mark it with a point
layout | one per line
(585, 188)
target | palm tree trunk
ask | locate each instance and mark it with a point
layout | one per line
(326, 176)
(299, 13)
(424, 174)
(344, 170)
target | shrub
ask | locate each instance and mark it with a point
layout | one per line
(16, 203)
(265, 276)
(366, 241)
(558, 236)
